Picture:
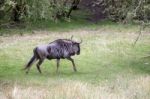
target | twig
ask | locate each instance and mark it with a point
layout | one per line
(140, 32)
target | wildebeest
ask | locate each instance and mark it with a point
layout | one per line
(58, 49)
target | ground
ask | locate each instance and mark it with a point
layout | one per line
(109, 66)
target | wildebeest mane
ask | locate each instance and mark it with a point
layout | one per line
(64, 46)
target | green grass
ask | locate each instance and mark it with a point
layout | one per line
(106, 54)
(77, 22)
(103, 56)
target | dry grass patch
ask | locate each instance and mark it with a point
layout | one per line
(135, 88)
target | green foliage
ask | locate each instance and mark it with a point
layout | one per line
(5, 8)
(126, 10)
(35, 9)
(38, 9)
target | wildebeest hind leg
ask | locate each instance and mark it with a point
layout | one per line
(74, 67)
(58, 60)
(38, 65)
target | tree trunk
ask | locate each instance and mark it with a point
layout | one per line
(73, 7)
(16, 13)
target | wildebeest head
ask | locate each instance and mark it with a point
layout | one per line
(76, 46)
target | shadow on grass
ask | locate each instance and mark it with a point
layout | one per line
(141, 66)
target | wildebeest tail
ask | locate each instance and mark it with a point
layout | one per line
(32, 59)
(30, 62)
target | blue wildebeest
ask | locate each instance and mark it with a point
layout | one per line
(58, 49)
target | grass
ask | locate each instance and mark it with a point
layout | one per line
(75, 23)
(136, 88)
(109, 67)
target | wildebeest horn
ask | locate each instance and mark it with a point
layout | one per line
(71, 37)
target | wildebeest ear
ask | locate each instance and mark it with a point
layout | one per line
(71, 37)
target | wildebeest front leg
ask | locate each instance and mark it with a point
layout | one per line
(74, 67)
(38, 65)
(58, 60)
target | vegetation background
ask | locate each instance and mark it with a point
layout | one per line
(114, 61)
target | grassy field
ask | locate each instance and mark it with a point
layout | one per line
(109, 67)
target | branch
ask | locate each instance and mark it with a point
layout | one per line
(142, 27)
